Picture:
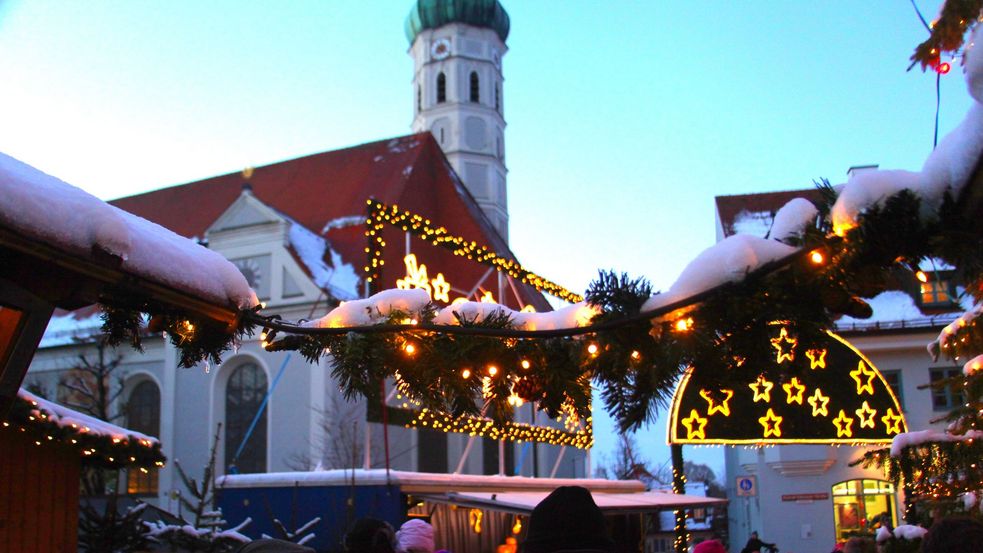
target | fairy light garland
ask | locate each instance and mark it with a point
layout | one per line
(380, 215)
(510, 431)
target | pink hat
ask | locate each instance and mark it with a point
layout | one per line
(415, 535)
(709, 546)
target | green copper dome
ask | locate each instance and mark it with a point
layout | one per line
(431, 14)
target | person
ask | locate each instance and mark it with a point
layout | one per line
(370, 535)
(859, 545)
(754, 544)
(273, 546)
(709, 546)
(415, 536)
(567, 520)
(954, 534)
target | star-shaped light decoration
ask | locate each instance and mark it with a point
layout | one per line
(866, 415)
(785, 346)
(819, 403)
(817, 358)
(695, 426)
(713, 407)
(892, 421)
(762, 389)
(843, 425)
(864, 378)
(416, 275)
(794, 390)
(441, 288)
(771, 423)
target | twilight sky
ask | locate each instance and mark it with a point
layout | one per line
(625, 118)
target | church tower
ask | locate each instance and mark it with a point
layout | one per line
(457, 48)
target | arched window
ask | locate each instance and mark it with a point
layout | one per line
(244, 394)
(143, 415)
(441, 88)
(862, 506)
(475, 93)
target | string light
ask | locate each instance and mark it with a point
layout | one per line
(816, 257)
(507, 430)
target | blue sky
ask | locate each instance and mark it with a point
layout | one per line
(625, 118)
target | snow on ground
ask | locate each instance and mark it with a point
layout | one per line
(45, 208)
(339, 278)
(729, 260)
(65, 417)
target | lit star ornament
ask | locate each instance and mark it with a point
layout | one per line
(843, 425)
(785, 346)
(441, 288)
(713, 407)
(794, 390)
(817, 358)
(819, 403)
(892, 421)
(864, 378)
(772, 424)
(695, 426)
(866, 415)
(762, 389)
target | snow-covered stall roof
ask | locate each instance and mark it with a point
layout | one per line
(44, 208)
(523, 502)
(99, 442)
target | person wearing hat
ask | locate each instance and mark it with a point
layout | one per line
(415, 536)
(370, 535)
(567, 520)
(709, 546)
(273, 546)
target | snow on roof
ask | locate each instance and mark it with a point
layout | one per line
(523, 502)
(726, 261)
(71, 327)
(411, 481)
(340, 278)
(84, 424)
(50, 210)
(754, 223)
(571, 316)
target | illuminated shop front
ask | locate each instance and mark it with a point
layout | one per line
(861, 506)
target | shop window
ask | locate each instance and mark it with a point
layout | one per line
(945, 398)
(244, 395)
(143, 415)
(860, 507)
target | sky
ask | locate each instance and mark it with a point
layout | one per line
(625, 118)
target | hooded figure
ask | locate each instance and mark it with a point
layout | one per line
(567, 520)
(370, 535)
(273, 546)
(415, 536)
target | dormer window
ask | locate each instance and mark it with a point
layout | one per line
(935, 293)
(441, 88)
(475, 93)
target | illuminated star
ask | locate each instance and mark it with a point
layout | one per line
(892, 421)
(487, 297)
(794, 390)
(843, 424)
(785, 353)
(695, 426)
(416, 275)
(771, 424)
(762, 389)
(441, 288)
(817, 358)
(862, 374)
(819, 403)
(713, 406)
(866, 415)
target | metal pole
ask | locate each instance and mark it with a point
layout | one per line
(559, 457)
(681, 543)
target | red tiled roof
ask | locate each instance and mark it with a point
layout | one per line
(409, 171)
(729, 207)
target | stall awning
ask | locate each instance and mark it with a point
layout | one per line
(523, 503)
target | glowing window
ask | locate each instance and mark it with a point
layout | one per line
(143, 415)
(935, 292)
(244, 394)
(860, 507)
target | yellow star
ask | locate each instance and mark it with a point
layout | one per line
(695, 420)
(817, 358)
(819, 403)
(862, 373)
(441, 288)
(713, 406)
(771, 424)
(892, 421)
(783, 354)
(843, 424)
(796, 395)
(866, 415)
(762, 389)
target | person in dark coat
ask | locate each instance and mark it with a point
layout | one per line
(754, 545)
(273, 546)
(370, 535)
(567, 520)
(954, 535)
